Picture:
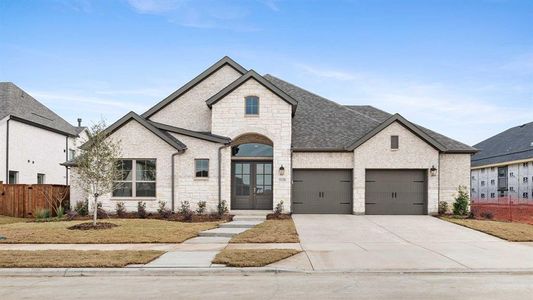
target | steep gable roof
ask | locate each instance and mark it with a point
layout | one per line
(24, 108)
(244, 78)
(513, 144)
(397, 118)
(165, 136)
(452, 146)
(189, 85)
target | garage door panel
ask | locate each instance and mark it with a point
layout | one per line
(322, 191)
(395, 192)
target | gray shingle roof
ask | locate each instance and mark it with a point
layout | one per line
(321, 124)
(380, 115)
(513, 144)
(23, 107)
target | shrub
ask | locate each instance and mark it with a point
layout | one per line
(487, 215)
(101, 213)
(443, 207)
(278, 210)
(202, 207)
(141, 209)
(120, 209)
(460, 206)
(185, 210)
(60, 213)
(82, 208)
(222, 208)
(42, 214)
(162, 210)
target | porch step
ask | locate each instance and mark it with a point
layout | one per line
(222, 232)
(241, 224)
(241, 218)
(250, 212)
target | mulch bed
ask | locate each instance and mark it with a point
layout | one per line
(90, 226)
(274, 216)
(172, 217)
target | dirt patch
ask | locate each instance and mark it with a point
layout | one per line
(91, 226)
(252, 257)
(274, 216)
(270, 231)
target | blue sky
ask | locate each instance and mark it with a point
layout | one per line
(463, 68)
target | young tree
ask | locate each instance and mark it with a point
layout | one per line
(97, 167)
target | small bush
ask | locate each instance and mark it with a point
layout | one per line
(278, 210)
(163, 210)
(141, 209)
(60, 213)
(101, 213)
(82, 208)
(202, 207)
(120, 209)
(460, 206)
(222, 208)
(487, 215)
(185, 210)
(42, 214)
(443, 207)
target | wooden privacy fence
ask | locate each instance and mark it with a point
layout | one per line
(23, 200)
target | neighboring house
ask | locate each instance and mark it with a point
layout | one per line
(33, 139)
(253, 141)
(503, 167)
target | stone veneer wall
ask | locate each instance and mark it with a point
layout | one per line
(413, 153)
(322, 160)
(190, 111)
(274, 122)
(138, 143)
(454, 171)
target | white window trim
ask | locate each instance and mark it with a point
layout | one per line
(134, 181)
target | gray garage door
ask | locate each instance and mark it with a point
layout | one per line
(395, 192)
(322, 192)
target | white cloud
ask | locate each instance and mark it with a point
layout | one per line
(453, 111)
(155, 6)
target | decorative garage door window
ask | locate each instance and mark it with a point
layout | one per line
(252, 150)
(138, 178)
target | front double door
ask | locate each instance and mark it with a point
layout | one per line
(251, 185)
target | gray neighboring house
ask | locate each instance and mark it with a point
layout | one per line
(254, 141)
(503, 167)
(33, 139)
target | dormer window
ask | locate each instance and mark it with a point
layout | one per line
(251, 105)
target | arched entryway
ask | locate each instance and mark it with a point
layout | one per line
(251, 173)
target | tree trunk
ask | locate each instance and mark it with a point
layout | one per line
(95, 210)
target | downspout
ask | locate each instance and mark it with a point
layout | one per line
(7, 149)
(66, 159)
(220, 173)
(172, 188)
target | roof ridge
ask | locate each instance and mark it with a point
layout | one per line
(326, 99)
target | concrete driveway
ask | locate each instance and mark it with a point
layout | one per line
(378, 243)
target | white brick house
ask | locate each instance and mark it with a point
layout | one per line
(34, 141)
(253, 141)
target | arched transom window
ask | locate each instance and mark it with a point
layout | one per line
(252, 150)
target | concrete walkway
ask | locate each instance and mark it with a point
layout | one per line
(418, 243)
(199, 252)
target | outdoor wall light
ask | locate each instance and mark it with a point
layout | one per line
(281, 171)
(433, 171)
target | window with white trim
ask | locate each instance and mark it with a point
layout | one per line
(40, 178)
(138, 178)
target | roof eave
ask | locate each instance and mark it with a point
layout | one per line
(191, 84)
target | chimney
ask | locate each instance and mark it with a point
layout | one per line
(79, 122)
